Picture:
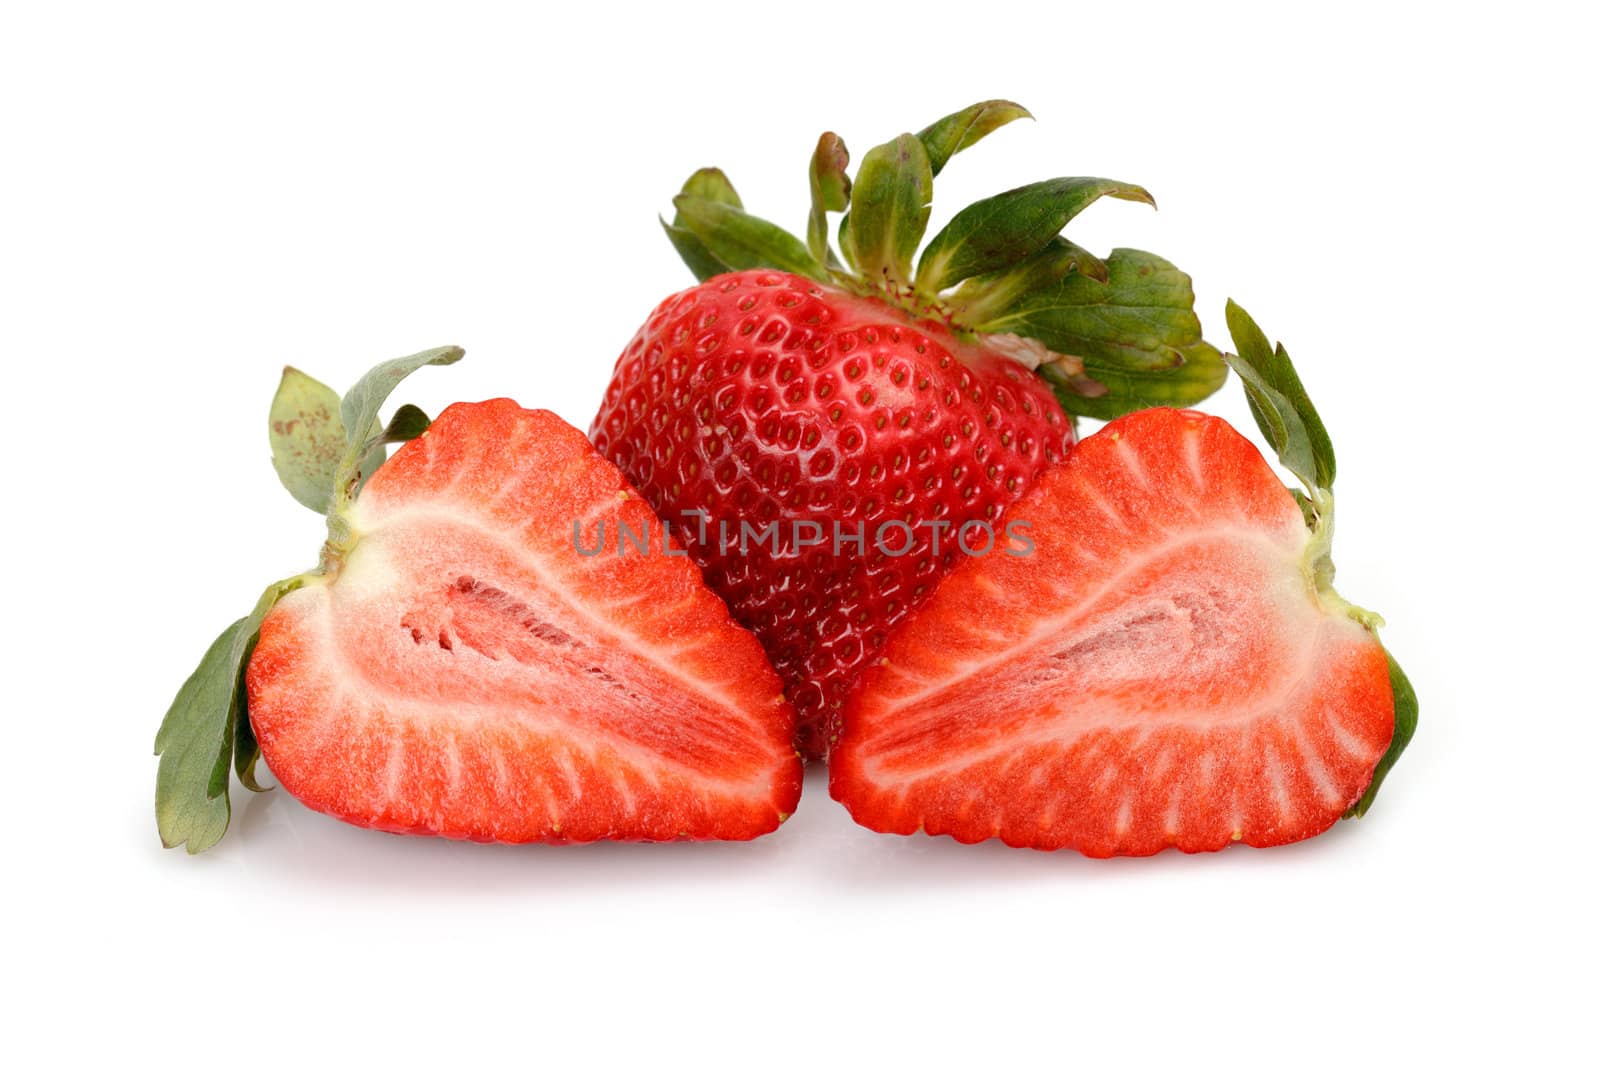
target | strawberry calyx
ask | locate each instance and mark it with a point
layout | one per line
(1110, 335)
(365, 449)
(324, 447)
(1295, 431)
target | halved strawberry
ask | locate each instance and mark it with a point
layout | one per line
(467, 672)
(464, 664)
(1159, 661)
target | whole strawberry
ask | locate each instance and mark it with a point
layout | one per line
(828, 432)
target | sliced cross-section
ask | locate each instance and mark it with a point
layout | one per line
(1153, 662)
(474, 668)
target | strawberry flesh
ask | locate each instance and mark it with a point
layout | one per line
(1159, 671)
(467, 672)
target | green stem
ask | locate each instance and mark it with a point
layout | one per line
(347, 480)
(1319, 559)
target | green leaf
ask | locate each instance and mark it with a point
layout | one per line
(360, 407)
(364, 452)
(701, 263)
(1198, 372)
(1279, 421)
(708, 183)
(246, 752)
(986, 295)
(743, 241)
(1308, 508)
(1276, 383)
(1405, 727)
(830, 191)
(965, 128)
(1140, 319)
(197, 737)
(847, 247)
(889, 207)
(307, 438)
(1006, 229)
(407, 424)
(194, 743)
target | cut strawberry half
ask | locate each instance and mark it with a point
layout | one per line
(467, 661)
(466, 671)
(1158, 660)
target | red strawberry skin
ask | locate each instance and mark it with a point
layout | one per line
(1159, 672)
(468, 673)
(765, 397)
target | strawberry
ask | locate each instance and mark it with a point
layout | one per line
(1158, 661)
(839, 412)
(458, 666)
(822, 430)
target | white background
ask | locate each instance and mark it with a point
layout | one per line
(193, 196)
